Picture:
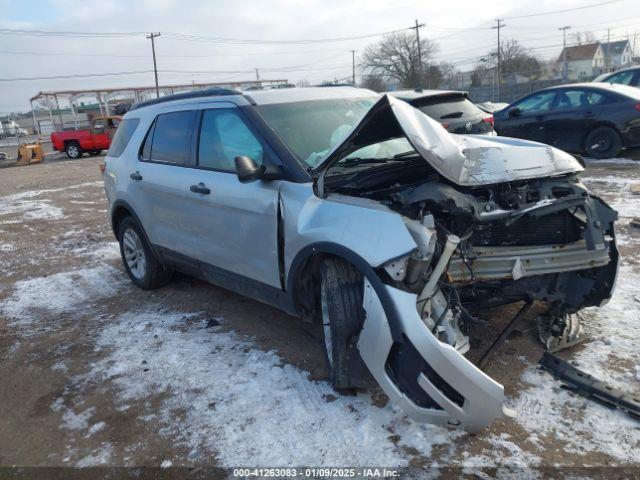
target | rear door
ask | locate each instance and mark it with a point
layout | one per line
(161, 180)
(574, 113)
(234, 225)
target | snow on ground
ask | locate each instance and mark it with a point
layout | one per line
(60, 293)
(244, 404)
(223, 395)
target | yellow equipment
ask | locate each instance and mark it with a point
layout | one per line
(29, 153)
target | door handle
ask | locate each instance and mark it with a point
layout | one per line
(135, 176)
(200, 188)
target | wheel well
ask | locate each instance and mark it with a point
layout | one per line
(119, 214)
(599, 125)
(305, 285)
(68, 142)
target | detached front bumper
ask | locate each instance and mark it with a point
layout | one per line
(445, 388)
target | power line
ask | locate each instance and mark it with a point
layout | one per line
(564, 10)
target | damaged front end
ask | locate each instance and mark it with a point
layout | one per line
(494, 221)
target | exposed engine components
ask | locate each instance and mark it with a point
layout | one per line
(559, 331)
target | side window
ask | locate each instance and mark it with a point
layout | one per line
(571, 99)
(170, 138)
(538, 102)
(623, 78)
(223, 137)
(123, 135)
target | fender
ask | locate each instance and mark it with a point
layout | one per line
(123, 204)
(361, 264)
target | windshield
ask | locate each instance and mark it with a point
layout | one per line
(311, 128)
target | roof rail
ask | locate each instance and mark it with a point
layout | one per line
(207, 92)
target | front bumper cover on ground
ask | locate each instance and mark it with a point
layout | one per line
(458, 391)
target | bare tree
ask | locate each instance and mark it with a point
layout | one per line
(396, 57)
(515, 59)
(303, 83)
(373, 82)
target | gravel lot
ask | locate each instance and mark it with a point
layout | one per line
(98, 373)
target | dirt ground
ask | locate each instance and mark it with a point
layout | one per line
(95, 372)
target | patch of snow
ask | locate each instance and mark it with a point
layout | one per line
(166, 464)
(611, 161)
(616, 330)
(77, 421)
(32, 210)
(59, 367)
(243, 403)
(95, 428)
(60, 293)
(582, 425)
(99, 456)
(7, 247)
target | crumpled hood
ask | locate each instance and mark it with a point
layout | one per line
(467, 160)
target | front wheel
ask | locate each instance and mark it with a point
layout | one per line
(341, 296)
(138, 259)
(73, 150)
(603, 142)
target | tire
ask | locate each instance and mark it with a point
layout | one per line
(342, 314)
(73, 150)
(94, 152)
(139, 261)
(603, 142)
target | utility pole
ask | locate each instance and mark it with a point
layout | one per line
(606, 58)
(257, 77)
(353, 67)
(417, 28)
(564, 52)
(498, 26)
(155, 67)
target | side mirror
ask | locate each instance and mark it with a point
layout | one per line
(514, 112)
(247, 170)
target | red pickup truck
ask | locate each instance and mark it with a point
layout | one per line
(98, 137)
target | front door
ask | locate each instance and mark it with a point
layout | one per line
(526, 119)
(235, 224)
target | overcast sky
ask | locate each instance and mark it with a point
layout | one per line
(460, 27)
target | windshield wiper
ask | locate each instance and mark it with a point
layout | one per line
(359, 160)
(405, 154)
(452, 115)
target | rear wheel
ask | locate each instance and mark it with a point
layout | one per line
(603, 142)
(341, 294)
(73, 150)
(138, 259)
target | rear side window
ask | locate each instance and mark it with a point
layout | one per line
(170, 138)
(623, 78)
(123, 135)
(449, 107)
(223, 137)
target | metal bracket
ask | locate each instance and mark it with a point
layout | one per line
(587, 386)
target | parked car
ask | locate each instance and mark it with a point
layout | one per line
(627, 76)
(92, 140)
(598, 119)
(360, 212)
(452, 109)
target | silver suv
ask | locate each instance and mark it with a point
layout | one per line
(360, 212)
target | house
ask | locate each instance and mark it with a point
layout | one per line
(584, 62)
(617, 55)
